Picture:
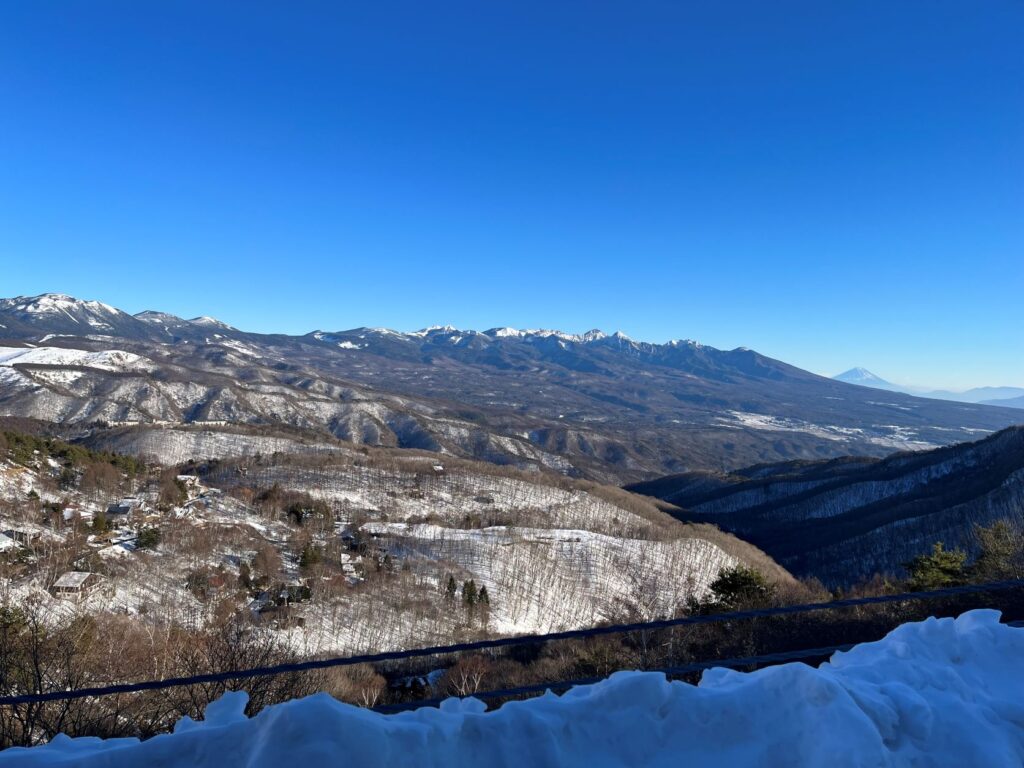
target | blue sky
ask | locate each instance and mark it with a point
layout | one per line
(833, 184)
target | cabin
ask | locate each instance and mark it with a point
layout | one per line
(74, 584)
(26, 537)
(123, 510)
(74, 512)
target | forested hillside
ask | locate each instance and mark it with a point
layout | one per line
(847, 519)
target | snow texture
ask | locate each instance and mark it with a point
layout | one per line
(942, 692)
(107, 360)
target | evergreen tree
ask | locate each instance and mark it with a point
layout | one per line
(483, 600)
(469, 593)
(740, 587)
(148, 538)
(450, 590)
(941, 568)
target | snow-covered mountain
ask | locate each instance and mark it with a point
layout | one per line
(590, 404)
(1006, 397)
(55, 313)
(865, 378)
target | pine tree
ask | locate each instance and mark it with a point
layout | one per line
(450, 590)
(483, 599)
(741, 587)
(469, 593)
(941, 568)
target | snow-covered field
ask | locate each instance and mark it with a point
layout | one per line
(937, 693)
(886, 435)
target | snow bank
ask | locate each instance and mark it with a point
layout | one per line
(939, 693)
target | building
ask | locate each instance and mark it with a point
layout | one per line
(74, 584)
(123, 510)
(74, 512)
(26, 537)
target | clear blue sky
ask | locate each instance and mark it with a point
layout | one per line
(833, 184)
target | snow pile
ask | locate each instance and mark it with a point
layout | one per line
(938, 693)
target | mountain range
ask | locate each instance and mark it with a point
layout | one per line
(1007, 397)
(598, 406)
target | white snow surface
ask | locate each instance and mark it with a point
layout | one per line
(107, 360)
(943, 692)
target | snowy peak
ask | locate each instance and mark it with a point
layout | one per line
(589, 337)
(167, 320)
(58, 313)
(435, 332)
(211, 322)
(864, 378)
(54, 303)
(159, 318)
(858, 374)
(66, 308)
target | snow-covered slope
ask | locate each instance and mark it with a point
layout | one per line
(393, 527)
(546, 579)
(170, 445)
(942, 693)
(553, 554)
(58, 357)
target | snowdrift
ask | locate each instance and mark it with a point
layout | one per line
(937, 693)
